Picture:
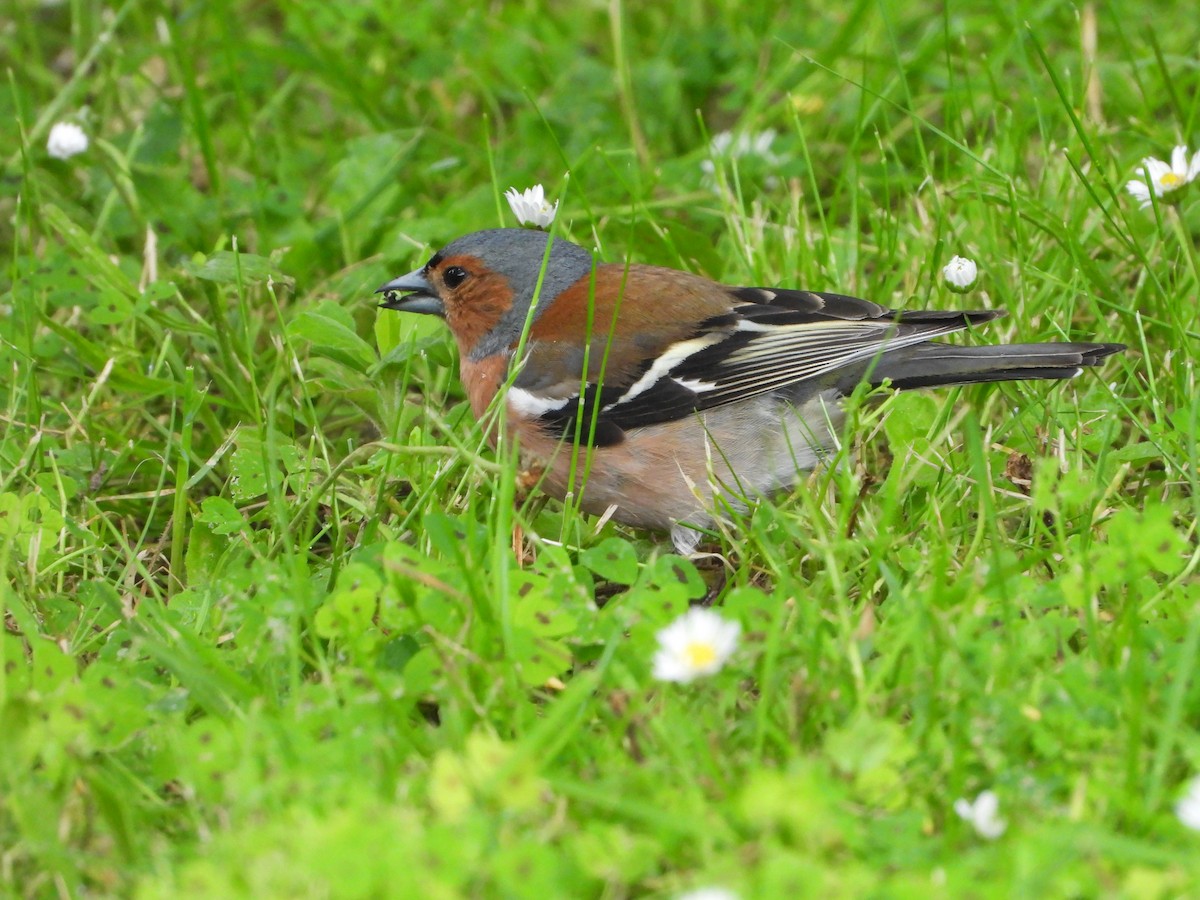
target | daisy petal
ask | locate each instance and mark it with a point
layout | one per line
(1179, 162)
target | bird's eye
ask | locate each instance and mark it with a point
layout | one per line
(454, 276)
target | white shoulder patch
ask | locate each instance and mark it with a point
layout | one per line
(533, 405)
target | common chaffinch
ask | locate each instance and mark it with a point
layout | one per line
(672, 393)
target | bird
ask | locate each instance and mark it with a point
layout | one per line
(658, 396)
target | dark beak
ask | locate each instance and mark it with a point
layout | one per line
(419, 295)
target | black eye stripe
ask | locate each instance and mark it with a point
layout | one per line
(454, 276)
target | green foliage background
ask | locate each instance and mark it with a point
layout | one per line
(265, 630)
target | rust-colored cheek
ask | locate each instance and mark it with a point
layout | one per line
(475, 307)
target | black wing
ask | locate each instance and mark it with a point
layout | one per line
(770, 340)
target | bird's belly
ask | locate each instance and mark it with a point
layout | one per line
(665, 474)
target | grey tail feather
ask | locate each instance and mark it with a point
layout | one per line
(939, 365)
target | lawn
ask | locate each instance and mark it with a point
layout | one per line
(279, 622)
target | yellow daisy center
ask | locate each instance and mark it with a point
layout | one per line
(1170, 180)
(700, 655)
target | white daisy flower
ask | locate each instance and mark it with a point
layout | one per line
(531, 207)
(66, 140)
(697, 643)
(1159, 179)
(725, 146)
(720, 143)
(982, 814)
(708, 893)
(1187, 810)
(960, 274)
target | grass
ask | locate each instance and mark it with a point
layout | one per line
(266, 634)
